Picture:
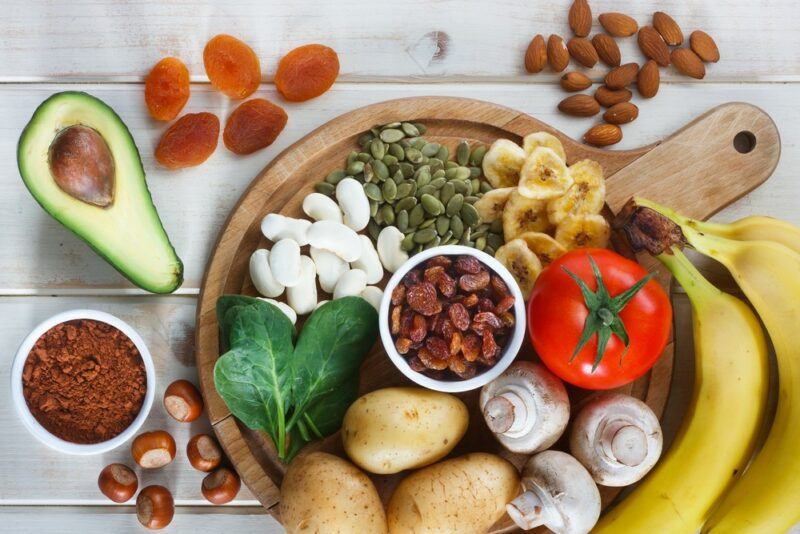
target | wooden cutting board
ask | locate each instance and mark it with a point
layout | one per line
(698, 170)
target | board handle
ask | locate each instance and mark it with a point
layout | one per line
(706, 165)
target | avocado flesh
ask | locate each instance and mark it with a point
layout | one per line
(128, 232)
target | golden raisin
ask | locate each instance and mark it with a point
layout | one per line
(306, 72)
(231, 66)
(254, 125)
(166, 89)
(189, 141)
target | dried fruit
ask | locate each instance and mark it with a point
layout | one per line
(166, 89)
(582, 51)
(489, 349)
(422, 299)
(622, 76)
(603, 135)
(499, 287)
(471, 347)
(231, 66)
(459, 316)
(536, 55)
(403, 345)
(419, 328)
(306, 72)
(399, 294)
(557, 53)
(653, 46)
(431, 361)
(456, 341)
(467, 265)
(688, 63)
(704, 46)
(649, 79)
(668, 28)
(474, 282)
(583, 231)
(253, 125)
(489, 319)
(574, 81)
(438, 347)
(618, 24)
(441, 261)
(607, 49)
(608, 97)
(394, 319)
(580, 18)
(523, 214)
(579, 106)
(521, 262)
(505, 304)
(621, 113)
(189, 141)
(587, 195)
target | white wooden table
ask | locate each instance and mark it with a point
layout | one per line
(387, 49)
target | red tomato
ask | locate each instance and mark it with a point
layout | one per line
(558, 312)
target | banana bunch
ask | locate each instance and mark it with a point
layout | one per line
(546, 208)
(763, 255)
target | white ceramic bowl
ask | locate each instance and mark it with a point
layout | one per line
(509, 351)
(37, 429)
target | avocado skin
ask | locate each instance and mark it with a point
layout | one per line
(175, 268)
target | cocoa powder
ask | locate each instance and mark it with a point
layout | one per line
(84, 381)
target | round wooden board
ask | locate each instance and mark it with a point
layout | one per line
(697, 171)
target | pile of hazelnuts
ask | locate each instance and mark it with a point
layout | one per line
(152, 450)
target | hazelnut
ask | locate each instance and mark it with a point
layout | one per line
(221, 486)
(155, 507)
(152, 450)
(182, 401)
(203, 452)
(118, 482)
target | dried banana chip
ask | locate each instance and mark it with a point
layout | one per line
(583, 231)
(502, 163)
(522, 215)
(586, 196)
(545, 247)
(521, 262)
(537, 139)
(490, 205)
(544, 175)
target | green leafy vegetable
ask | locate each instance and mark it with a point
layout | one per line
(294, 393)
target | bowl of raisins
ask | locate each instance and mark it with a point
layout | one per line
(452, 318)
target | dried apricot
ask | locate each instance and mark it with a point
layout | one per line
(166, 89)
(306, 72)
(253, 125)
(189, 141)
(231, 66)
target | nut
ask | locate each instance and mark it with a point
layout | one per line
(608, 97)
(221, 486)
(607, 49)
(155, 507)
(152, 450)
(203, 453)
(648, 79)
(688, 63)
(580, 18)
(603, 135)
(618, 24)
(668, 28)
(182, 401)
(557, 53)
(536, 55)
(621, 113)
(579, 106)
(118, 482)
(582, 51)
(303, 296)
(653, 46)
(622, 76)
(575, 81)
(704, 46)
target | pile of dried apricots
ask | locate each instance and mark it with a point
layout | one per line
(234, 69)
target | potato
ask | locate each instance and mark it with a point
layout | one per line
(322, 493)
(465, 494)
(393, 429)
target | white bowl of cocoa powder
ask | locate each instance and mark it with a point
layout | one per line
(83, 382)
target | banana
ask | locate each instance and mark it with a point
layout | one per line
(721, 427)
(502, 163)
(522, 214)
(490, 205)
(544, 175)
(586, 196)
(545, 247)
(537, 139)
(521, 262)
(583, 231)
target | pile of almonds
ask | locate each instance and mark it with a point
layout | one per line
(654, 42)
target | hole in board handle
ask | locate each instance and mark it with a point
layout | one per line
(744, 142)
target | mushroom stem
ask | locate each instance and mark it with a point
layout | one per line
(509, 413)
(528, 511)
(623, 442)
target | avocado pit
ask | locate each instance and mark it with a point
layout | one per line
(82, 165)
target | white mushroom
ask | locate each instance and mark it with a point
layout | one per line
(285, 308)
(276, 227)
(617, 438)
(329, 268)
(390, 252)
(559, 494)
(261, 274)
(335, 237)
(321, 208)
(369, 262)
(526, 407)
(373, 295)
(284, 262)
(350, 284)
(302, 297)
(353, 202)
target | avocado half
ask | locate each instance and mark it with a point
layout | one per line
(80, 163)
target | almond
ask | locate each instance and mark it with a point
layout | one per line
(618, 24)
(621, 113)
(580, 18)
(704, 46)
(608, 97)
(575, 81)
(653, 46)
(622, 76)
(668, 28)
(557, 53)
(536, 55)
(579, 106)
(688, 63)
(603, 135)
(649, 79)
(607, 49)
(582, 51)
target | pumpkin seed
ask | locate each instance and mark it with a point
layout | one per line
(388, 214)
(431, 149)
(416, 215)
(489, 250)
(351, 157)
(497, 227)
(417, 249)
(427, 223)
(397, 178)
(438, 183)
(465, 237)
(475, 172)
(410, 130)
(475, 186)
(377, 148)
(450, 173)
(455, 205)
(425, 236)
(452, 241)
(480, 231)
(389, 190)
(433, 205)
(426, 190)
(443, 154)
(365, 139)
(391, 135)
(397, 151)
(407, 169)
(462, 153)
(461, 186)
(435, 243)
(469, 215)
(335, 177)
(450, 165)
(462, 173)
(448, 190)
(476, 158)
(418, 143)
(405, 143)
(485, 187)
(442, 224)
(373, 229)
(471, 199)
(368, 173)
(407, 203)
(456, 226)
(401, 221)
(325, 188)
(390, 125)
(364, 157)
(380, 169)
(355, 168)
(413, 155)
(373, 207)
(375, 131)
(494, 240)
(407, 243)
(388, 159)
(448, 235)
(373, 192)
(405, 189)
(421, 128)
(379, 217)
(480, 243)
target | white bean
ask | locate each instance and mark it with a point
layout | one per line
(329, 268)
(303, 297)
(320, 303)
(261, 274)
(350, 284)
(369, 261)
(353, 202)
(276, 227)
(389, 250)
(284, 261)
(335, 237)
(321, 208)
(285, 308)
(373, 295)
